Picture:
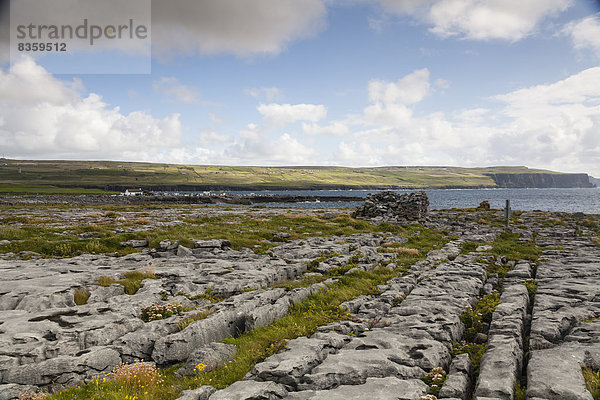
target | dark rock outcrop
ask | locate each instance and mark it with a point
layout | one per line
(393, 207)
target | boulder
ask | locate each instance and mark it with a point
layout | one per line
(211, 244)
(202, 393)
(166, 245)
(135, 243)
(208, 357)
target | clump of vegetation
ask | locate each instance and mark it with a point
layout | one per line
(435, 379)
(474, 350)
(192, 318)
(468, 247)
(137, 381)
(531, 285)
(94, 247)
(161, 311)
(207, 295)
(81, 296)
(399, 299)
(399, 249)
(474, 317)
(139, 374)
(303, 281)
(592, 382)
(507, 245)
(520, 391)
(132, 280)
(314, 264)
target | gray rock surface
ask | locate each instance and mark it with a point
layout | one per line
(393, 339)
(374, 388)
(202, 393)
(387, 355)
(501, 364)
(459, 378)
(562, 342)
(251, 390)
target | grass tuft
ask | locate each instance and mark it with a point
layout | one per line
(81, 297)
(531, 285)
(474, 350)
(520, 391)
(181, 325)
(507, 245)
(132, 281)
(592, 382)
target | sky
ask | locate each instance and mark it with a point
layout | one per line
(358, 83)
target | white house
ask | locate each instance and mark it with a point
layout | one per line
(133, 192)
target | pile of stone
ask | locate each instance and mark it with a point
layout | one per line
(394, 207)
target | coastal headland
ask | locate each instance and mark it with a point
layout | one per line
(93, 177)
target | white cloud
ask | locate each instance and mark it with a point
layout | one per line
(388, 114)
(477, 19)
(44, 117)
(336, 128)
(580, 88)
(268, 93)
(354, 153)
(473, 116)
(408, 90)
(210, 138)
(442, 83)
(174, 91)
(283, 114)
(552, 126)
(242, 28)
(555, 124)
(391, 100)
(585, 33)
(261, 150)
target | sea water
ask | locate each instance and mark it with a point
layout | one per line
(563, 200)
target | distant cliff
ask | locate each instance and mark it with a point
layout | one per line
(541, 180)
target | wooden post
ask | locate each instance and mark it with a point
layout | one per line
(507, 212)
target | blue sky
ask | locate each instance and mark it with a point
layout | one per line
(325, 82)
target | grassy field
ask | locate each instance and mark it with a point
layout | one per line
(49, 190)
(42, 176)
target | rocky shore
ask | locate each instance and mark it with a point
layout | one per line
(393, 339)
(173, 199)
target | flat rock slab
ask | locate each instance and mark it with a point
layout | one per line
(389, 388)
(251, 390)
(555, 374)
(351, 367)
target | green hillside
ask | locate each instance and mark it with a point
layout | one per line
(43, 176)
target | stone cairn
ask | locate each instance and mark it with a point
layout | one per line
(390, 206)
